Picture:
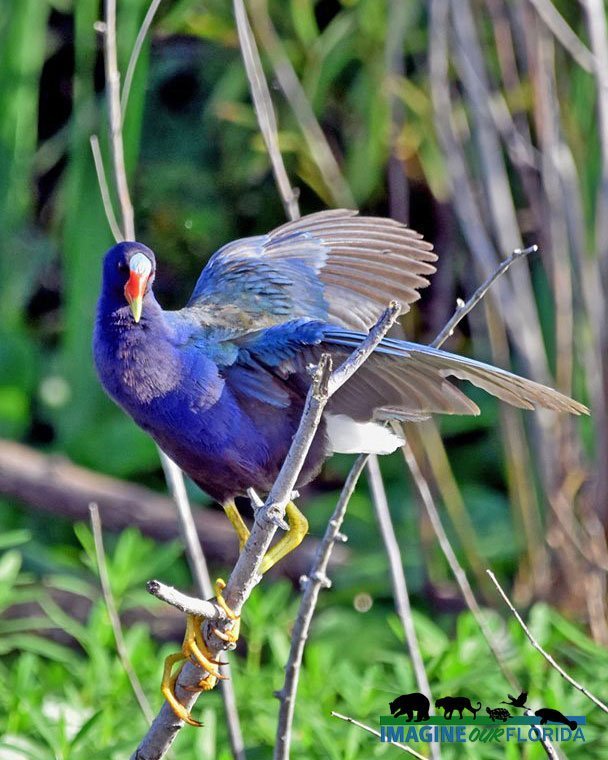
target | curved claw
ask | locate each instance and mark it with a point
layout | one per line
(219, 586)
(167, 689)
(194, 648)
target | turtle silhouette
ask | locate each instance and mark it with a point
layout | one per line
(498, 713)
(458, 704)
(547, 714)
(408, 704)
(516, 701)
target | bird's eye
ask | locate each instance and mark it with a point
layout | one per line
(123, 266)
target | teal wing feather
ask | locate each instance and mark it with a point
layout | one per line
(334, 266)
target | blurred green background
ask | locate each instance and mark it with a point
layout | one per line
(477, 121)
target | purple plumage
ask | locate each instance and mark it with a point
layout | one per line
(220, 384)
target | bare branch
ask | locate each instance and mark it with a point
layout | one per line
(318, 146)
(400, 591)
(264, 110)
(106, 588)
(564, 33)
(463, 308)
(189, 605)
(115, 119)
(312, 585)
(545, 654)
(457, 570)
(104, 189)
(373, 731)
(135, 53)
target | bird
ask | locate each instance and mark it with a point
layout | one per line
(220, 384)
(517, 701)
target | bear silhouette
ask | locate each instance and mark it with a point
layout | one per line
(449, 704)
(555, 716)
(408, 704)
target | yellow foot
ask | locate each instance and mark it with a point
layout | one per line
(298, 528)
(195, 649)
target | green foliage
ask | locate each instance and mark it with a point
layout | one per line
(68, 698)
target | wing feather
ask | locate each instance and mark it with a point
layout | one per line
(333, 266)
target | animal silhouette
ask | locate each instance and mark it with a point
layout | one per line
(449, 704)
(498, 713)
(516, 701)
(547, 714)
(408, 704)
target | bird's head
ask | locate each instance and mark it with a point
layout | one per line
(128, 272)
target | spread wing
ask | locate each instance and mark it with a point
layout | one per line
(332, 266)
(401, 380)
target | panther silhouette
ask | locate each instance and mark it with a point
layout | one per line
(449, 704)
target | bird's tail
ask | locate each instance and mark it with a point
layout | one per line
(413, 380)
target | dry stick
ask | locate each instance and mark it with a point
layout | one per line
(459, 574)
(200, 571)
(312, 585)
(104, 189)
(545, 654)
(373, 731)
(495, 182)
(400, 592)
(567, 37)
(471, 223)
(245, 575)
(457, 570)
(106, 588)
(318, 146)
(464, 308)
(263, 107)
(173, 474)
(135, 53)
(189, 605)
(394, 64)
(115, 119)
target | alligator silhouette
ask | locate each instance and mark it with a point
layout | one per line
(458, 704)
(408, 704)
(555, 716)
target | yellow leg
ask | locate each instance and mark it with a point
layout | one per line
(233, 514)
(195, 649)
(298, 528)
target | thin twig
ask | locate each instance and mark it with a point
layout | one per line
(373, 731)
(104, 189)
(245, 575)
(189, 605)
(200, 572)
(115, 120)
(312, 585)
(135, 53)
(262, 103)
(194, 552)
(106, 589)
(456, 568)
(318, 146)
(463, 308)
(400, 591)
(550, 750)
(564, 33)
(545, 654)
